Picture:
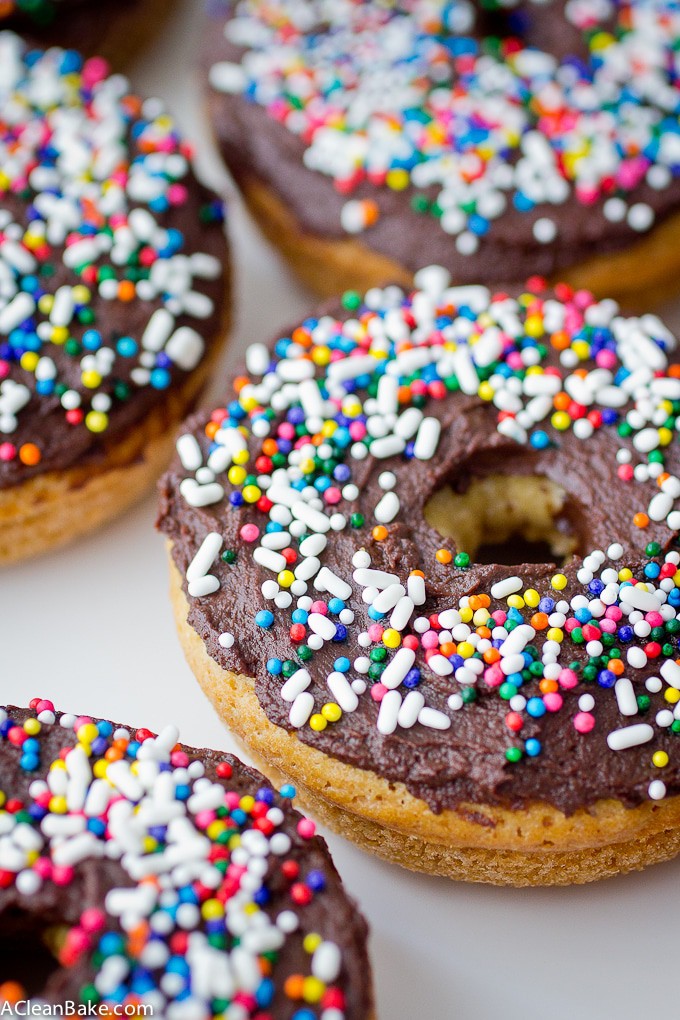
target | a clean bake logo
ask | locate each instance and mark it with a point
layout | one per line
(26, 1007)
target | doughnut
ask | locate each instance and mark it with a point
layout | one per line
(113, 303)
(424, 562)
(114, 29)
(142, 877)
(497, 139)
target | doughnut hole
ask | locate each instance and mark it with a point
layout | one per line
(28, 951)
(508, 519)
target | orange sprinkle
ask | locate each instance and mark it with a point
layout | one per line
(113, 754)
(270, 447)
(301, 336)
(673, 371)
(417, 573)
(483, 632)
(491, 655)
(443, 556)
(539, 621)
(404, 394)
(663, 477)
(293, 985)
(561, 401)
(548, 686)
(126, 290)
(380, 533)
(211, 429)
(640, 520)
(12, 992)
(448, 648)
(616, 666)
(560, 341)
(239, 382)
(29, 454)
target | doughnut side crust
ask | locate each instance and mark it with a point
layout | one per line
(534, 846)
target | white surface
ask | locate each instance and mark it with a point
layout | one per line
(90, 627)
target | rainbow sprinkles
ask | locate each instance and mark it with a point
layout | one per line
(362, 389)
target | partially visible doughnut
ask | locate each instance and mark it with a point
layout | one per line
(166, 878)
(113, 293)
(499, 140)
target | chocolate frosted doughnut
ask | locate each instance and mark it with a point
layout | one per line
(511, 723)
(166, 878)
(372, 139)
(113, 271)
(114, 29)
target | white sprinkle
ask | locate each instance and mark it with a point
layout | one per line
(657, 789)
(660, 506)
(301, 709)
(433, 719)
(402, 612)
(327, 580)
(365, 576)
(670, 671)
(321, 625)
(427, 439)
(508, 586)
(326, 962)
(388, 598)
(408, 423)
(387, 508)
(257, 359)
(185, 347)
(315, 520)
(189, 452)
(415, 587)
(341, 690)
(226, 640)
(440, 665)
(313, 545)
(410, 709)
(639, 598)
(205, 556)
(201, 495)
(203, 586)
(389, 712)
(295, 684)
(270, 559)
(625, 696)
(389, 446)
(397, 669)
(630, 736)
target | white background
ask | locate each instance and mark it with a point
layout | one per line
(90, 627)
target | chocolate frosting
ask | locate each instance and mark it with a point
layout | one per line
(258, 148)
(465, 763)
(331, 913)
(85, 25)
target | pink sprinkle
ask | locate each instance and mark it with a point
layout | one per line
(286, 430)
(43, 866)
(499, 617)
(613, 613)
(430, 639)
(357, 431)
(95, 69)
(249, 532)
(92, 919)
(44, 705)
(180, 759)
(306, 828)
(494, 676)
(4, 369)
(319, 607)
(62, 875)
(567, 679)
(605, 359)
(584, 722)
(205, 818)
(654, 619)
(177, 194)
(332, 495)
(553, 702)
(378, 691)
(231, 799)
(375, 632)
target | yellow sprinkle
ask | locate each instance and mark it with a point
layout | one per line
(391, 638)
(312, 989)
(515, 601)
(665, 436)
(660, 759)
(91, 379)
(212, 909)
(32, 727)
(331, 711)
(397, 180)
(671, 695)
(560, 420)
(236, 475)
(321, 356)
(96, 421)
(532, 598)
(247, 803)
(59, 335)
(87, 733)
(625, 574)
(29, 360)
(99, 769)
(581, 349)
(241, 457)
(311, 942)
(485, 391)
(465, 614)
(466, 649)
(555, 634)
(58, 805)
(285, 578)
(318, 722)
(558, 581)
(251, 493)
